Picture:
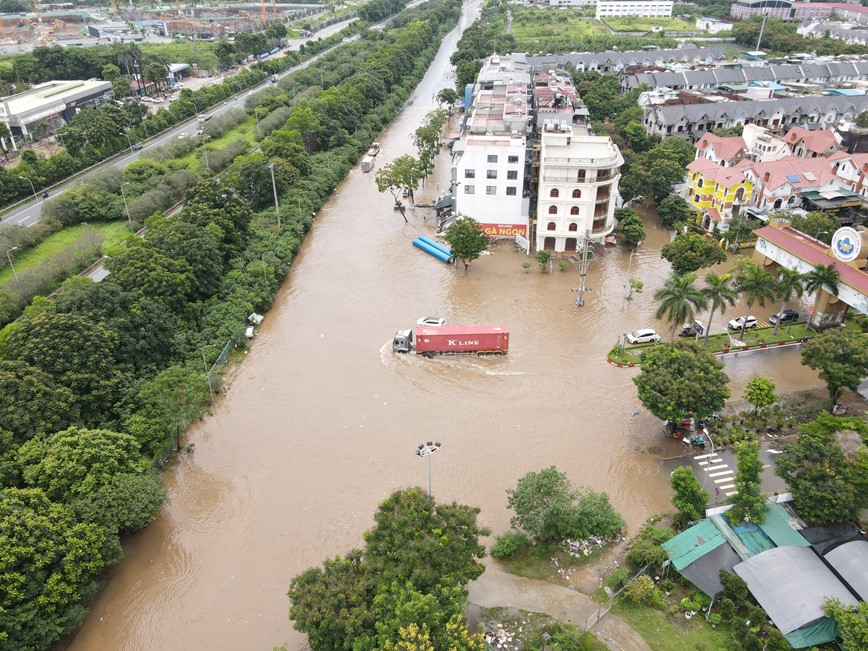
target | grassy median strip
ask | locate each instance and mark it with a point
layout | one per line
(721, 342)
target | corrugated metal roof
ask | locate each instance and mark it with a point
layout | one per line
(781, 527)
(693, 543)
(850, 560)
(791, 584)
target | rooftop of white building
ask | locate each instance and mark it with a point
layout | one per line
(51, 92)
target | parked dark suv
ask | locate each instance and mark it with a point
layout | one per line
(787, 316)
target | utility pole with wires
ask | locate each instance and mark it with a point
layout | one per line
(584, 263)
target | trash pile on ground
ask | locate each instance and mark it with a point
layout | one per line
(500, 638)
(579, 548)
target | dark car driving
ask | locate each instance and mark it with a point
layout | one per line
(787, 316)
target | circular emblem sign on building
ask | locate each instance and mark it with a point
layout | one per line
(846, 244)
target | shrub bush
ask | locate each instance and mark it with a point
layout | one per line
(617, 579)
(508, 544)
(643, 591)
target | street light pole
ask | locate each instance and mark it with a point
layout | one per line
(274, 188)
(130, 142)
(31, 186)
(629, 269)
(427, 450)
(126, 207)
(256, 115)
(12, 266)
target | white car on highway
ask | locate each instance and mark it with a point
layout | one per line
(183, 135)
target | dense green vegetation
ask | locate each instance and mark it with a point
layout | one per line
(98, 385)
(97, 134)
(396, 594)
(780, 37)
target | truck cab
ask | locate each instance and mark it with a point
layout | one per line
(403, 341)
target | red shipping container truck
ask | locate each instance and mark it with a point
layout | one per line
(453, 340)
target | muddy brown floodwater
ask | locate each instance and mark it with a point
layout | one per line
(322, 421)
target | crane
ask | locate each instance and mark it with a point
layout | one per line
(38, 11)
(262, 12)
(178, 6)
(114, 7)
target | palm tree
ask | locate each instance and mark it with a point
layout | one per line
(821, 278)
(758, 285)
(679, 299)
(718, 293)
(791, 284)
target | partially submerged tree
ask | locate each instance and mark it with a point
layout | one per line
(760, 392)
(841, 357)
(690, 252)
(549, 509)
(401, 174)
(821, 278)
(681, 380)
(466, 239)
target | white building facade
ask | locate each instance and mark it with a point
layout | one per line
(578, 187)
(626, 8)
(489, 180)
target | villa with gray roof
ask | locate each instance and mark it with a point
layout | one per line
(612, 62)
(692, 120)
(837, 71)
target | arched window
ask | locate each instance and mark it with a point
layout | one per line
(554, 193)
(574, 227)
(577, 194)
(574, 210)
(553, 210)
(699, 183)
(551, 226)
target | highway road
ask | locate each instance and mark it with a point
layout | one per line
(27, 214)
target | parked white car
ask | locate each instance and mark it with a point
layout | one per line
(742, 321)
(183, 135)
(643, 336)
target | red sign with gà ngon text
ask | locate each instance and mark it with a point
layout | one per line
(504, 230)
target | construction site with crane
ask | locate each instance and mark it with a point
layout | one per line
(50, 24)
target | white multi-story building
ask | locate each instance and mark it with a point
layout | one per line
(489, 162)
(624, 8)
(489, 180)
(578, 187)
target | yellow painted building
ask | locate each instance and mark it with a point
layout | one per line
(716, 193)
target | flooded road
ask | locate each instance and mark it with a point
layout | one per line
(322, 421)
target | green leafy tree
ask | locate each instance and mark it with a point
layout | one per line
(549, 509)
(466, 239)
(840, 356)
(543, 258)
(679, 300)
(630, 225)
(821, 278)
(226, 54)
(719, 293)
(77, 462)
(179, 394)
(689, 498)
(760, 392)
(673, 148)
(816, 473)
(124, 504)
(156, 73)
(77, 354)
(664, 174)
(438, 617)
(673, 210)
(333, 604)
(819, 225)
(690, 252)
(48, 569)
(852, 620)
(408, 525)
(31, 403)
(143, 269)
(402, 173)
(791, 285)
(447, 96)
(747, 504)
(681, 380)
(757, 285)
(110, 72)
